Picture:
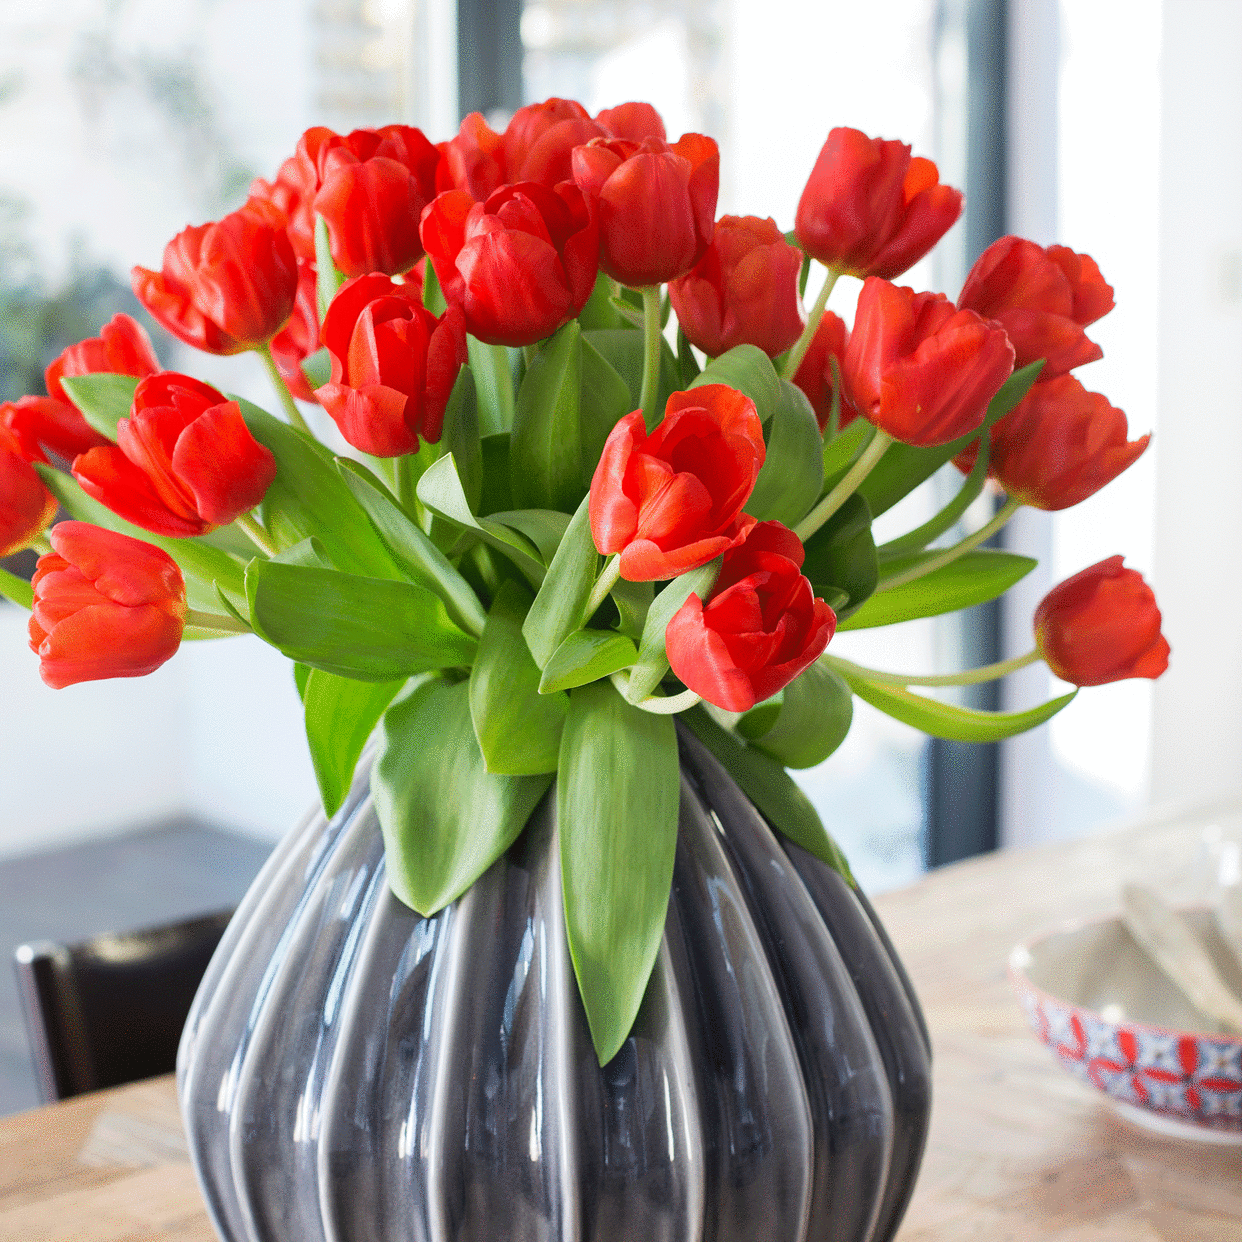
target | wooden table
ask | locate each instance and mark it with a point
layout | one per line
(1019, 1150)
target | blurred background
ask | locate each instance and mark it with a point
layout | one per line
(1114, 129)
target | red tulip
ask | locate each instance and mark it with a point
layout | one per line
(656, 204)
(519, 265)
(473, 161)
(760, 628)
(184, 462)
(299, 338)
(105, 605)
(1101, 625)
(121, 348)
(26, 506)
(634, 121)
(1042, 298)
(1058, 446)
(671, 501)
(225, 287)
(393, 365)
(373, 186)
(814, 375)
(744, 290)
(869, 209)
(538, 141)
(43, 423)
(920, 370)
(292, 193)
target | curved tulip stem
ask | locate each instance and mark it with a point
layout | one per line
(657, 704)
(794, 358)
(258, 536)
(282, 390)
(846, 488)
(41, 545)
(215, 621)
(651, 351)
(603, 584)
(949, 555)
(970, 677)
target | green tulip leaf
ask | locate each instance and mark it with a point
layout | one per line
(497, 494)
(622, 349)
(545, 528)
(16, 589)
(328, 279)
(766, 783)
(414, 553)
(947, 720)
(760, 719)
(460, 437)
(309, 552)
(633, 602)
(793, 470)
(518, 729)
(816, 711)
(309, 497)
(932, 529)
(841, 556)
(317, 368)
(371, 629)
(102, 399)
(617, 802)
(301, 675)
(341, 714)
(687, 363)
(605, 401)
(974, 578)
(599, 311)
(203, 566)
(748, 369)
(586, 656)
(559, 608)
(545, 452)
(652, 662)
(843, 449)
(433, 295)
(441, 491)
(905, 466)
(444, 816)
(493, 378)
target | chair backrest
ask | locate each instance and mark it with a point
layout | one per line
(110, 1010)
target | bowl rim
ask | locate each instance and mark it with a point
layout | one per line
(1021, 981)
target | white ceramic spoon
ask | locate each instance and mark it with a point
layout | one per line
(1180, 954)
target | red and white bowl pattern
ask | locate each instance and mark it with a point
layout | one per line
(1115, 1022)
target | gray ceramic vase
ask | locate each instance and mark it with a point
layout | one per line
(352, 1072)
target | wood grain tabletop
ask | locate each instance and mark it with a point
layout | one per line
(1019, 1151)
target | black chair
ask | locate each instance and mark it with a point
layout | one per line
(110, 1010)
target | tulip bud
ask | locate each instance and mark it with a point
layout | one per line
(472, 161)
(1058, 446)
(394, 365)
(539, 140)
(121, 348)
(633, 121)
(26, 506)
(671, 501)
(1101, 625)
(105, 605)
(519, 265)
(920, 370)
(761, 626)
(743, 291)
(43, 424)
(224, 287)
(184, 461)
(869, 209)
(655, 203)
(1042, 298)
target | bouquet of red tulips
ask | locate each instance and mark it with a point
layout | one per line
(565, 524)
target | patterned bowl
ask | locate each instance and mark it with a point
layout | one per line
(1116, 1022)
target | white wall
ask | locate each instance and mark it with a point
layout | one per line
(1197, 745)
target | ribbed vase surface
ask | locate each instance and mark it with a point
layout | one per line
(353, 1072)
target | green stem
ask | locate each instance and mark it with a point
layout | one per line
(651, 351)
(282, 390)
(405, 476)
(971, 677)
(258, 536)
(794, 358)
(949, 555)
(41, 545)
(215, 621)
(603, 584)
(866, 462)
